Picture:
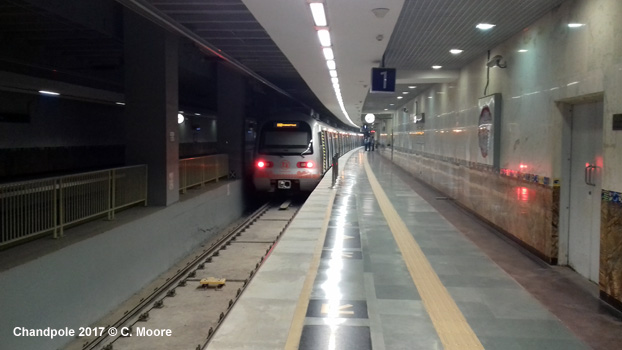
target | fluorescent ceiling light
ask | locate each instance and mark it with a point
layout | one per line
(197, 114)
(391, 104)
(120, 103)
(575, 25)
(437, 67)
(319, 16)
(49, 92)
(405, 92)
(522, 50)
(412, 87)
(400, 97)
(456, 51)
(324, 36)
(328, 53)
(484, 26)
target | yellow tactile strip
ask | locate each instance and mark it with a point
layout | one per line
(451, 326)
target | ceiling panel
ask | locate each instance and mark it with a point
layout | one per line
(428, 29)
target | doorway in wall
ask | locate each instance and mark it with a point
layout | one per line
(584, 172)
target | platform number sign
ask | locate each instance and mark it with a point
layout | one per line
(382, 80)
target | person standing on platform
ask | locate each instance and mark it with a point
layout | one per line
(372, 143)
(366, 143)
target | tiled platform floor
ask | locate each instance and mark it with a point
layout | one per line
(338, 280)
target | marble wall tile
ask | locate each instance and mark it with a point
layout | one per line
(610, 280)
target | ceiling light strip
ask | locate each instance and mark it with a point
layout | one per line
(319, 18)
(324, 37)
(328, 53)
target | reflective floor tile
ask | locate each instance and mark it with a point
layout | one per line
(524, 329)
(337, 309)
(472, 310)
(348, 240)
(335, 337)
(350, 231)
(347, 290)
(416, 332)
(343, 222)
(341, 254)
(397, 292)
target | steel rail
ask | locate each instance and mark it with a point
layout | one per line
(159, 292)
(252, 274)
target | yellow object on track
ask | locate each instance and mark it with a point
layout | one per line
(212, 282)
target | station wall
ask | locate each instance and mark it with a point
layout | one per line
(58, 122)
(49, 135)
(560, 67)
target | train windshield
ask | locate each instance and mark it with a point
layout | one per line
(286, 138)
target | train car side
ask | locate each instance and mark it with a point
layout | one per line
(294, 151)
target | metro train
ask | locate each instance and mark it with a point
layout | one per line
(294, 150)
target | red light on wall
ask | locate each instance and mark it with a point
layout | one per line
(522, 193)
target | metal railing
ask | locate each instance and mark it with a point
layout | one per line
(31, 208)
(199, 170)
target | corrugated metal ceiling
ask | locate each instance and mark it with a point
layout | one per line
(428, 29)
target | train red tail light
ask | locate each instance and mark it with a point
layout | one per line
(305, 164)
(264, 164)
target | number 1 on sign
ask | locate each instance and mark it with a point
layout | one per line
(384, 80)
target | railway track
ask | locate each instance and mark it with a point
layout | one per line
(185, 310)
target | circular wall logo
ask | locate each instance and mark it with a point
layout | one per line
(483, 134)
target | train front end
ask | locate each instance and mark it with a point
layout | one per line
(286, 158)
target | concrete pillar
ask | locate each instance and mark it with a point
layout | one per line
(231, 116)
(151, 105)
